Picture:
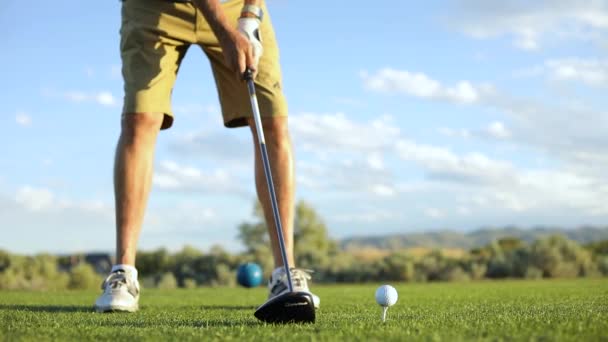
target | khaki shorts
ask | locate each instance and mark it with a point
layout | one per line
(155, 35)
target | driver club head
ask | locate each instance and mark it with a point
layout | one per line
(291, 307)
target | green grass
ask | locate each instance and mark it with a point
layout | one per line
(574, 310)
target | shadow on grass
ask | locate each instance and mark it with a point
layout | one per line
(47, 308)
(202, 324)
(227, 307)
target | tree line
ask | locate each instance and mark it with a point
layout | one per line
(548, 257)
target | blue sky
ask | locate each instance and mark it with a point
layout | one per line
(405, 117)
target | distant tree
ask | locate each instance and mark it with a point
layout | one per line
(557, 256)
(190, 283)
(454, 272)
(509, 244)
(602, 265)
(477, 270)
(83, 276)
(498, 266)
(598, 247)
(167, 281)
(254, 236)
(397, 266)
(183, 264)
(312, 246)
(533, 272)
(154, 262)
(225, 276)
(5, 260)
(207, 268)
(428, 268)
(504, 258)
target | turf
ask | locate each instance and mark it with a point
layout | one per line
(564, 310)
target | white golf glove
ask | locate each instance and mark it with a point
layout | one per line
(250, 28)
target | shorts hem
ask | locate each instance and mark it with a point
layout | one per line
(167, 115)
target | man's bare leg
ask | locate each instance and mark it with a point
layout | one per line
(132, 182)
(133, 167)
(280, 156)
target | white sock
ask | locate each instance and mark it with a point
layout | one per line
(129, 269)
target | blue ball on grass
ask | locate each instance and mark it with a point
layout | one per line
(249, 275)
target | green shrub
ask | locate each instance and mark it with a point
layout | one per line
(167, 281)
(83, 277)
(190, 283)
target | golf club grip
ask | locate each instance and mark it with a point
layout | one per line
(267, 171)
(248, 75)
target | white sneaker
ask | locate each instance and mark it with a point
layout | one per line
(278, 285)
(120, 293)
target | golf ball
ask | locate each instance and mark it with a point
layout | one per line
(249, 275)
(386, 295)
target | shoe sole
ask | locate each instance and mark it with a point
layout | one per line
(116, 308)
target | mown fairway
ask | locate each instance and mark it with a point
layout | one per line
(575, 310)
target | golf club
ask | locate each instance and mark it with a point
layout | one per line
(292, 306)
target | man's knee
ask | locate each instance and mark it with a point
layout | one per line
(275, 127)
(141, 124)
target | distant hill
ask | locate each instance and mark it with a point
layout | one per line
(467, 240)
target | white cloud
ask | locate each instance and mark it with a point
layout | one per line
(589, 71)
(225, 146)
(458, 133)
(464, 211)
(39, 199)
(184, 215)
(576, 150)
(89, 223)
(498, 130)
(592, 72)
(323, 133)
(443, 164)
(172, 176)
(531, 23)
(492, 185)
(574, 135)
(166, 181)
(553, 190)
(345, 177)
(104, 98)
(434, 213)
(367, 215)
(547, 128)
(375, 162)
(418, 84)
(495, 130)
(34, 199)
(23, 119)
(383, 190)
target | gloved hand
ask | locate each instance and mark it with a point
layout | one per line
(250, 28)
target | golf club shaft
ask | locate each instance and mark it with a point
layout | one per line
(273, 198)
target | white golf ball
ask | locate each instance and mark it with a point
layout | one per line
(386, 295)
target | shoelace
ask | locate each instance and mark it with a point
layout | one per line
(298, 276)
(115, 280)
(118, 279)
